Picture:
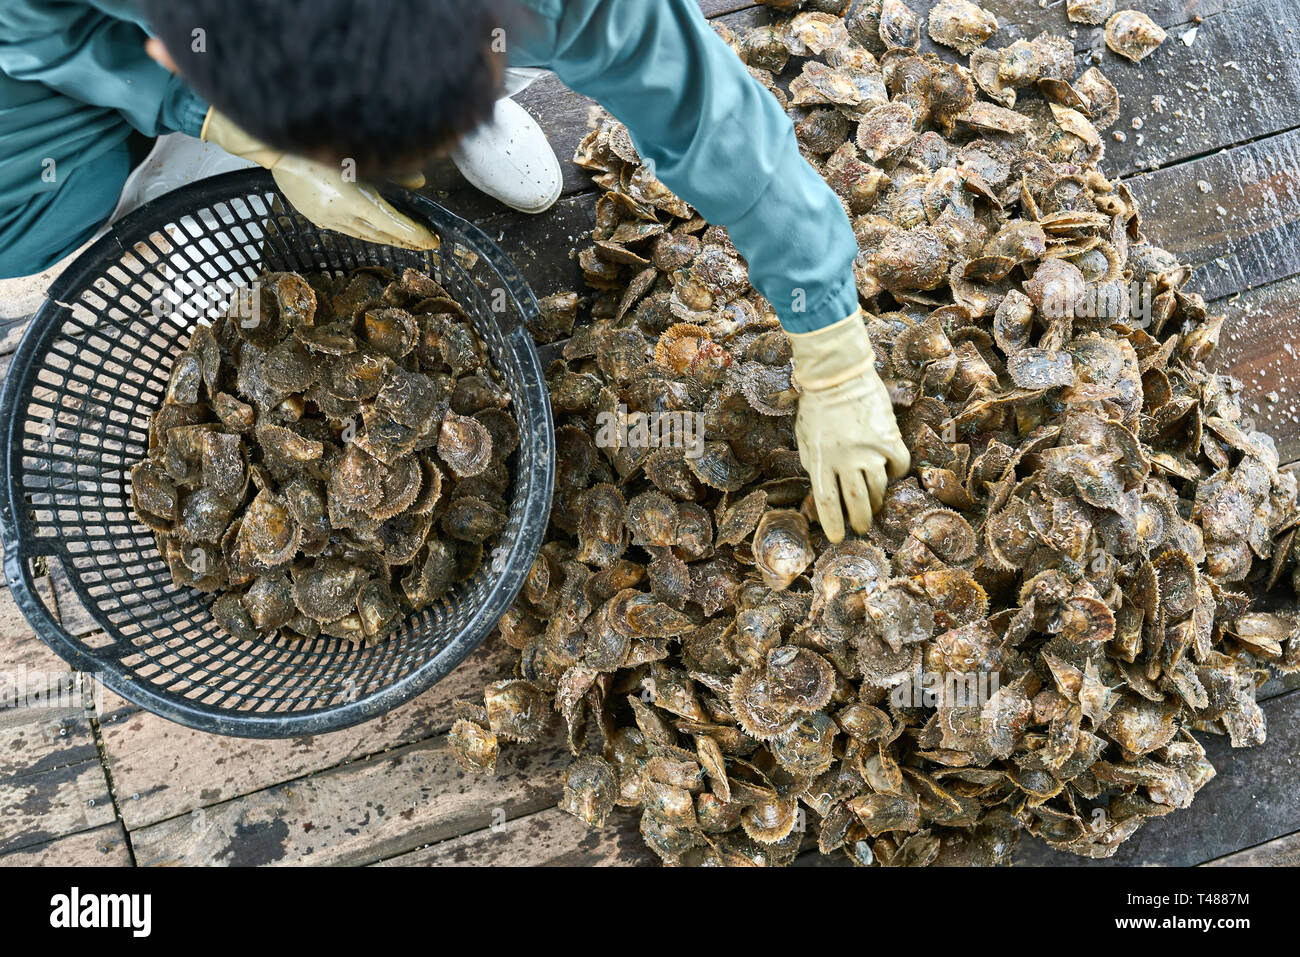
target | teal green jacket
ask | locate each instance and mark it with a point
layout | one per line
(74, 82)
(717, 138)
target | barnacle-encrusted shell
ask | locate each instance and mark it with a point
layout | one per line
(899, 27)
(961, 24)
(464, 444)
(516, 709)
(474, 747)
(782, 547)
(590, 790)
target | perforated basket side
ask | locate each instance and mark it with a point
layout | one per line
(76, 404)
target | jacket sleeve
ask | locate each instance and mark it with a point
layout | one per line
(79, 49)
(717, 138)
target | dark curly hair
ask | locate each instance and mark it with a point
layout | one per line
(387, 83)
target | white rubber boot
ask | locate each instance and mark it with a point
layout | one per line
(510, 159)
(175, 161)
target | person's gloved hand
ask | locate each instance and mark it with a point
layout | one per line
(320, 192)
(848, 437)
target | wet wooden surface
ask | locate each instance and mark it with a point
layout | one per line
(1251, 800)
(1283, 852)
(1215, 161)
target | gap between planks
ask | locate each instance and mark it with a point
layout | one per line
(548, 838)
(164, 770)
(362, 812)
(105, 846)
(1280, 852)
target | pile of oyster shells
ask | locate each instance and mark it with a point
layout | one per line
(1044, 611)
(332, 460)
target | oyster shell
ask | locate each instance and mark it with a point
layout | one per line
(782, 547)
(1133, 34)
(1091, 12)
(961, 25)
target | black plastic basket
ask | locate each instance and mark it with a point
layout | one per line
(75, 411)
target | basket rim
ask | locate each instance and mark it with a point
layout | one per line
(536, 488)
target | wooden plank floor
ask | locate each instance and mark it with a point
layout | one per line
(1211, 146)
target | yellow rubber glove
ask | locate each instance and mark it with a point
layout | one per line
(848, 437)
(320, 192)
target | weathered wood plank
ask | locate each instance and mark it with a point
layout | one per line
(542, 246)
(72, 614)
(1284, 852)
(717, 8)
(37, 808)
(19, 645)
(20, 298)
(1170, 13)
(1018, 18)
(1026, 19)
(1259, 346)
(1251, 800)
(549, 838)
(162, 769)
(102, 847)
(1245, 231)
(1277, 686)
(111, 707)
(1203, 105)
(12, 330)
(1238, 81)
(37, 739)
(362, 812)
